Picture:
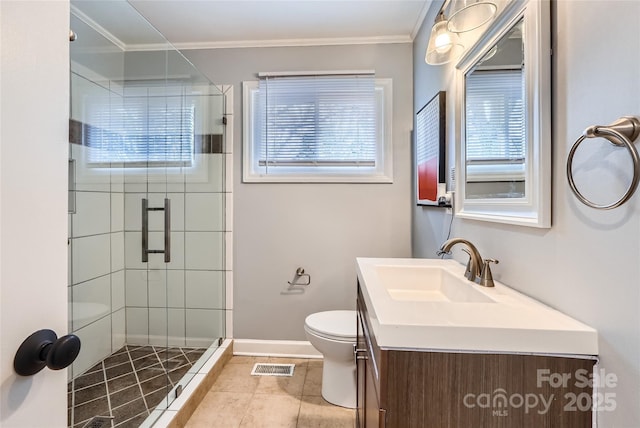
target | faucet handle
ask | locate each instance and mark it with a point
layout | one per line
(486, 278)
(471, 276)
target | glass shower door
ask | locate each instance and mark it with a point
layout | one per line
(146, 222)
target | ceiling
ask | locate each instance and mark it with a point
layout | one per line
(192, 24)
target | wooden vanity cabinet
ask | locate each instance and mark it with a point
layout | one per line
(432, 389)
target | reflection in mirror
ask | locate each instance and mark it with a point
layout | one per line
(495, 131)
(503, 153)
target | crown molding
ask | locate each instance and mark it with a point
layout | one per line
(421, 17)
(274, 43)
(329, 41)
(98, 28)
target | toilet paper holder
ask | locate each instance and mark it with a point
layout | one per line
(300, 274)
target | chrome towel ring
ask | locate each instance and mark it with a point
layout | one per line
(620, 133)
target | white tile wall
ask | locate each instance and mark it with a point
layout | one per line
(117, 290)
(69, 310)
(215, 171)
(156, 218)
(228, 281)
(228, 217)
(204, 289)
(117, 177)
(157, 287)
(91, 301)
(91, 257)
(201, 250)
(69, 258)
(156, 241)
(175, 289)
(228, 327)
(137, 326)
(229, 173)
(92, 215)
(169, 292)
(117, 251)
(96, 344)
(174, 184)
(163, 333)
(203, 211)
(203, 325)
(133, 186)
(177, 333)
(87, 178)
(136, 288)
(204, 250)
(133, 251)
(158, 326)
(228, 250)
(118, 329)
(117, 212)
(133, 211)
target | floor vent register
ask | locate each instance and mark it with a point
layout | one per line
(265, 369)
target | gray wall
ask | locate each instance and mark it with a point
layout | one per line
(320, 227)
(586, 265)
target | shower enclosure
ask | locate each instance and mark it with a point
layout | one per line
(147, 218)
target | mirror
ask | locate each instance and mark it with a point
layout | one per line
(503, 102)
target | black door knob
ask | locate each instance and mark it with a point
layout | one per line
(44, 349)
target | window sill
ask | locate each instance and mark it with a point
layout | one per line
(252, 179)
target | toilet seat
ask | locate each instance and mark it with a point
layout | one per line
(333, 325)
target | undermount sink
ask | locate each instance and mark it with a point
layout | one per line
(429, 304)
(427, 284)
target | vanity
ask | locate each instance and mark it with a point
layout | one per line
(436, 350)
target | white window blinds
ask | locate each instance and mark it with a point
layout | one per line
(316, 121)
(142, 131)
(495, 121)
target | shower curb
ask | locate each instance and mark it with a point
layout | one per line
(177, 415)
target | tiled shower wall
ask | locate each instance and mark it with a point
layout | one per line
(187, 300)
(180, 303)
(125, 300)
(96, 245)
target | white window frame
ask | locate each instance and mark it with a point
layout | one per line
(381, 173)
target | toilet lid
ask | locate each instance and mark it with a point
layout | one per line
(340, 324)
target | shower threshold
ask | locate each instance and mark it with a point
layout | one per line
(127, 386)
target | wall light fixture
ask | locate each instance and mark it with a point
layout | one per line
(467, 15)
(444, 46)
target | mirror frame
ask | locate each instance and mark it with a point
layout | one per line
(534, 209)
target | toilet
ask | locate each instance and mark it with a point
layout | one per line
(333, 334)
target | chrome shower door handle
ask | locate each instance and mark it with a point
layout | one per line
(145, 230)
(167, 230)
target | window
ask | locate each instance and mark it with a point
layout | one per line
(495, 111)
(141, 131)
(327, 128)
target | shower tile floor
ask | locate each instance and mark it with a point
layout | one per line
(128, 385)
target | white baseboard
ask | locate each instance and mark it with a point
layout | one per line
(275, 348)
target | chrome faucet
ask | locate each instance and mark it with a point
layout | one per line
(478, 270)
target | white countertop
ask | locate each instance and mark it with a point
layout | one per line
(508, 322)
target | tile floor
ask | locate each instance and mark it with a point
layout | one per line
(127, 385)
(238, 399)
